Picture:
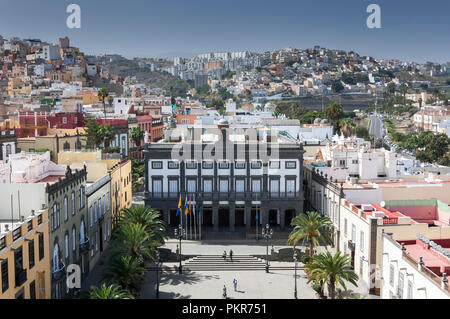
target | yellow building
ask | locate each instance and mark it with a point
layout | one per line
(121, 192)
(24, 258)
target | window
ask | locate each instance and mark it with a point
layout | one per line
(73, 203)
(223, 186)
(291, 165)
(410, 290)
(18, 263)
(256, 165)
(41, 246)
(208, 165)
(353, 233)
(191, 165)
(174, 165)
(191, 185)
(66, 246)
(2, 243)
(400, 285)
(157, 187)
(256, 185)
(30, 225)
(173, 187)
(33, 290)
(361, 244)
(345, 227)
(274, 186)
(342, 163)
(240, 165)
(224, 165)
(96, 241)
(290, 187)
(391, 275)
(74, 240)
(274, 164)
(157, 165)
(100, 208)
(82, 194)
(240, 185)
(31, 253)
(91, 217)
(95, 212)
(5, 276)
(66, 208)
(207, 186)
(354, 161)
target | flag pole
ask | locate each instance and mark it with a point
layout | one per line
(190, 219)
(195, 217)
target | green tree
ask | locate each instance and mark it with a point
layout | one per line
(108, 134)
(310, 228)
(331, 270)
(334, 112)
(337, 86)
(103, 95)
(391, 88)
(149, 218)
(137, 135)
(127, 272)
(94, 134)
(362, 132)
(347, 126)
(110, 100)
(109, 292)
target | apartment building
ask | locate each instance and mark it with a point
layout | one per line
(25, 257)
(415, 269)
(239, 185)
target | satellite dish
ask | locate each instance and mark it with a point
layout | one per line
(383, 204)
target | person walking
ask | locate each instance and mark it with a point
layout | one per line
(235, 284)
(231, 254)
(224, 292)
(224, 255)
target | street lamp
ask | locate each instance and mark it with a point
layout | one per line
(267, 234)
(295, 276)
(158, 263)
(180, 233)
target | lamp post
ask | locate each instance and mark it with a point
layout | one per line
(295, 276)
(158, 262)
(267, 234)
(179, 233)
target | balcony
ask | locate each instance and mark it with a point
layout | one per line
(60, 273)
(229, 196)
(85, 246)
(21, 277)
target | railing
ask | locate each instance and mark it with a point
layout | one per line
(59, 274)
(21, 277)
(390, 221)
(84, 246)
(226, 196)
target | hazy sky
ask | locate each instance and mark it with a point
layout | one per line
(412, 30)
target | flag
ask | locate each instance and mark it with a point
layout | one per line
(186, 206)
(198, 204)
(179, 207)
(189, 208)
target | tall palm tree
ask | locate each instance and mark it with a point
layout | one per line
(108, 135)
(126, 272)
(110, 100)
(136, 241)
(334, 112)
(147, 217)
(137, 135)
(109, 292)
(312, 228)
(331, 270)
(347, 126)
(103, 95)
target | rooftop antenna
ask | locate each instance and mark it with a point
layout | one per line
(12, 212)
(18, 201)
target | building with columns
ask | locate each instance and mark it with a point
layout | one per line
(243, 176)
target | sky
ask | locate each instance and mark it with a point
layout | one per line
(411, 30)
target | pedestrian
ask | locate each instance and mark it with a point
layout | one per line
(235, 284)
(224, 255)
(231, 254)
(224, 292)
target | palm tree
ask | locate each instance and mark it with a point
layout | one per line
(334, 112)
(126, 271)
(110, 100)
(147, 217)
(109, 292)
(347, 126)
(312, 228)
(108, 135)
(135, 240)
(137, 135)
(331, 270)
(103, 95)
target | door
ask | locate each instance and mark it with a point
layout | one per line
(224, 217)
(273, 217)
(239, 218)
(100, 226)
(207, 217)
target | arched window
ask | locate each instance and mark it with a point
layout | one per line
(56, 257)
(73, 203)
(74, 240)
(82, 230)
(66, 245)
(66, 208)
